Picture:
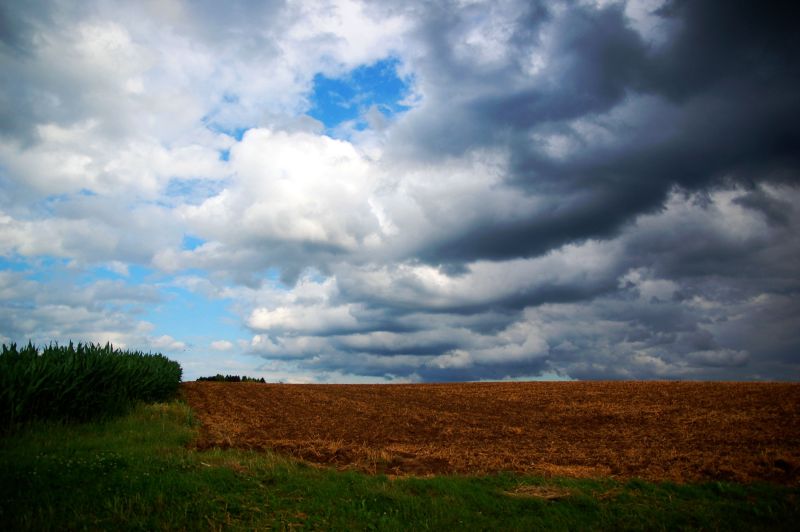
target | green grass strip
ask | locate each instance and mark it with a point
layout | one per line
(136, 473)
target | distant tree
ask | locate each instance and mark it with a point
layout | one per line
(231, 378)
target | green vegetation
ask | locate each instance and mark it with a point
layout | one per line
(136, 473)
(231, 378)
(78, 383)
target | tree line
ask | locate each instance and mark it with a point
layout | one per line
(231, 378)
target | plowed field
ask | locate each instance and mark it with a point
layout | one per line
(677, 431)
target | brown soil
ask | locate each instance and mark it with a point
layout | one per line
(680, 431)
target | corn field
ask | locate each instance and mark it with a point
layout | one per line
(79, 382)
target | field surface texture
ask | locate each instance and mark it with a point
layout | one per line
(677, 431)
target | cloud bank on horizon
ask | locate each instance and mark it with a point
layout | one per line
(401, 191)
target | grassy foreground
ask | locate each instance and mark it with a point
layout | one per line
(134, 473)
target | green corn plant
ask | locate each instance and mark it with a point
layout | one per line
(79, 382)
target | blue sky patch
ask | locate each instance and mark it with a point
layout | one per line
(235, 132)
(192, 191)
(338, 100)
(194, 318)
(13, 263)
(192, 242)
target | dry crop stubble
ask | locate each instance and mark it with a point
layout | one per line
(679, 431)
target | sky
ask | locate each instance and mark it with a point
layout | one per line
(345, 191)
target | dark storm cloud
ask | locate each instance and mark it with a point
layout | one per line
(598, 58)
(420, 349)
(718, 100)
(418, 298)
(776, 211)
(701, 289)
(484, 372)
(748, 43)
(593, 212)
(17, 25)
(739, 263)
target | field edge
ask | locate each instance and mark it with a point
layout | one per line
(137, 472)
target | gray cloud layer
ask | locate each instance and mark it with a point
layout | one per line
(590, 189)
(612, 122)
